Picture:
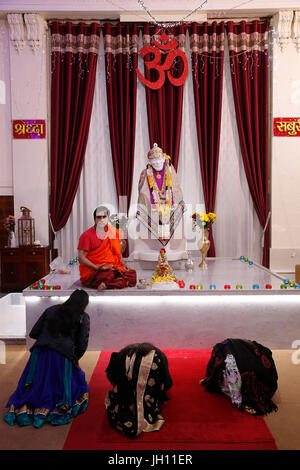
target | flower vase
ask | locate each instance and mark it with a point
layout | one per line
(204, 245)
(13, 243)
(9, 239)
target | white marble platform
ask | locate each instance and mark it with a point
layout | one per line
(220, 272)
(183, 318)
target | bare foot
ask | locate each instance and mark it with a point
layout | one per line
(101, 286)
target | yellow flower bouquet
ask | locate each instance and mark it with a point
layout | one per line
(202, 220)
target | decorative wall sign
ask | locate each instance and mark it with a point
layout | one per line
(161, 69)
(286, 127)
(29, 129)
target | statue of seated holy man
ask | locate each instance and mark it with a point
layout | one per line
(160, 210)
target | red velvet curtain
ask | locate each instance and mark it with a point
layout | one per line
(121, 49)
(207, 49)
(248, 49)
(164, 106)
(74, 50)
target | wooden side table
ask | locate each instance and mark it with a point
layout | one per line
(22, 266)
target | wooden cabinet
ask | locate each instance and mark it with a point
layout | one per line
(22, 266)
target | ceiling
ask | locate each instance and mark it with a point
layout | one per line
(113, 9)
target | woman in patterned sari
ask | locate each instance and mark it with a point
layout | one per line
(140, 377)
(245, 371)
(52, 387)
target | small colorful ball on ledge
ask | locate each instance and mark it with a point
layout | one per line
(255, 286)
(242, 257)
(71, 261)
(199, 286)
(246, 260)
(292, 284)
(57, 287)
(213, 286)
(192, 286)
(227, 286)
(181, 284)
(268, 286)
(239, 286)
(283, 286)
(286, 281)
(250, 263)
(51, 287)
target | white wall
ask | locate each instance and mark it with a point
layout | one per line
(6, 172)
(29, 100)
(285, 163)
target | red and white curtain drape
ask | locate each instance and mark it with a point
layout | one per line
(248, 49)
(207, 49)
(74, 53)
(164, 106)
(121, 53)
(248, 45)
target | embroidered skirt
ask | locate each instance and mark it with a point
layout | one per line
(50, 390)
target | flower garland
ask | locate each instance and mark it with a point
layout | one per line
(163, 271)
(167, 188)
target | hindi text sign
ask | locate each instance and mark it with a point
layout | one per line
(29, 129)
(286, 127)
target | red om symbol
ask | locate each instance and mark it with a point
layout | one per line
(161, 69)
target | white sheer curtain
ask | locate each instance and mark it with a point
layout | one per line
(236, 230)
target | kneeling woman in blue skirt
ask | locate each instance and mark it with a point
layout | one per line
(52, 387)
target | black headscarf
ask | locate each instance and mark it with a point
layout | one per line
(69, 313)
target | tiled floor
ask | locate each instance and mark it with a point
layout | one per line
(284, 424)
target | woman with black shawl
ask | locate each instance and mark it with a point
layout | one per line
(52, 386)
(245, 371)
(140, 377)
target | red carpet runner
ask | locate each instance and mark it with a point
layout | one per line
(194, 419)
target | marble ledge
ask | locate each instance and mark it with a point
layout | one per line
(151, 292)
(220, 272)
